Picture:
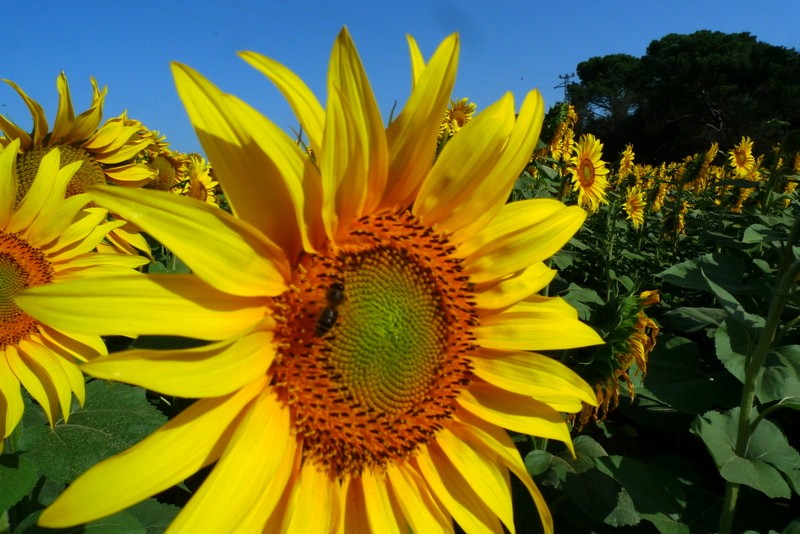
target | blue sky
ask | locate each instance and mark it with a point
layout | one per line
(511, 45)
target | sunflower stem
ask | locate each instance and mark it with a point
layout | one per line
(788, 273)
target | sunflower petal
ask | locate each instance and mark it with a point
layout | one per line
(43, 362)
(515, 288)
(380, 514)
(37, 384)
(313, 503)
(518, 413)
(495, 440)
(11, 404)
(234, 137)
(176, 305)
(523, 233)
(450, 195)
(412, 135)
(305, 105)
(261, 267)
(40, 127)
(489, 481)
(533, 375)
(208, 371)
(417, 61)
(245, 470)
(193, 439)
(419, 507)
(65, 114)
(454, 492)
(546, 324)
(8, 181)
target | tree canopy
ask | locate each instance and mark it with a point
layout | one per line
(688, 91)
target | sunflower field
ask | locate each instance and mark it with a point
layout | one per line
(465, 319)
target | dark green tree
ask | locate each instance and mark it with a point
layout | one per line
(688, 91)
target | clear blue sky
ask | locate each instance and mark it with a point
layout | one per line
(512, 45)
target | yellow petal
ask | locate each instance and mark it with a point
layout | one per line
(80, 346)
(11, 404)
(208, 371)
(210, 241)
(488, 480)
(518, 413)
(454, 492)
(87, 122)
(258, 447)
(313, 503)
(491, 194)
(517, 238)
(305, 105)
(412, 135)
(534, 375)
(481, 434)
(418, 505)
(177, 305)
(235, 138)
(190, 441)
(37, 384)
(451, 194)
(65, 114)
(515, 288)
(44, 363)
(8, 181)
(380, 514)
(544, 324)
(417, 61)
(14, 132)
(354, 155)
(59, 228)
(40, 127)
(41, 192)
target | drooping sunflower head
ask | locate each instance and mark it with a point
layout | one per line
(44, 240)
(634, 206)
(626, 161)
(372, 312)
(589, 173)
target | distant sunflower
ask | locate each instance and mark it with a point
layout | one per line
(589, 173)
(197, 182)
(741, 158)
(626, 161)
(634, 206)
(46, 240)
(371, 317)
(459, 113)
(107, 153)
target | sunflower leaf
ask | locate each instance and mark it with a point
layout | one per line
(114, 417)
(18, 476)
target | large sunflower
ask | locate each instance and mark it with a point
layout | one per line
(45, 240)
(107, 153)
(370, 312)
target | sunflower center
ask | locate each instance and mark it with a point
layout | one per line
(374, 343)
(165, 176)
(89, 173)
(586, 173)
(21, 266)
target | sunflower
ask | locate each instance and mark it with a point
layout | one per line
(370, 315)
(741, 158)
(459, 113)
(198, 182)
(589, 172)
(634, 206)
(626, 161)
(45, 240)
(107, 153)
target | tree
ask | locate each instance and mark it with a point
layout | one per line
(688, 91)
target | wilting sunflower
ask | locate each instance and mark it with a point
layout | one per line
(459, 113)
(589, 172)
(741, 157)
(45, 240)
(107, 153)
(370, 312)
(634, 206)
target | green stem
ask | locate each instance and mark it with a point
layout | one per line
(787, 274)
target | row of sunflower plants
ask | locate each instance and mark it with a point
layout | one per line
(689, 271)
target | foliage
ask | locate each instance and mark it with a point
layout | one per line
(688, 91)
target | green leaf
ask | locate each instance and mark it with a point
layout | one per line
(733, 309)
(726, 271)
(154, 516)
(115, 417)
(18, 476)
(768, 453)
(758, 233)
(694, 319)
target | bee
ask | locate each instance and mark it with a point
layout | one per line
(327, 319)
